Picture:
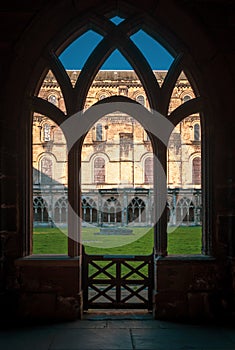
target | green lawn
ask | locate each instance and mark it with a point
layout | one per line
(184, 240)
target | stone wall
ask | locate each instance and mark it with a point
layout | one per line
(192, 288)
(48, 288)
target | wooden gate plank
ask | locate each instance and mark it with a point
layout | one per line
(115, 290)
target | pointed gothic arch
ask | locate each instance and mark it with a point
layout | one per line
(185, 211)
(136, 211)
(158, 97)
(40, 211)
(111, 211)
(89, 210)
(61, 211)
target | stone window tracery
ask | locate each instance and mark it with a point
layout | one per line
(184, 211)
(111, 211)
(89, 210)
(40, 210)
(136, 210)
(61, 210)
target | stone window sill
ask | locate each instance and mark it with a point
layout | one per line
(185, 258)
(48, 260)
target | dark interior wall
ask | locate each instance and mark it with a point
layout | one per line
(202, 29)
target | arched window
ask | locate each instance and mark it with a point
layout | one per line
(53, 99)
(136, 211)
(99, 170)
(184, 211)
(89, 210)
(61, 210)
(46, 132)
(99, 132)
(158, 94)
(196, 133)
(46, 169)
(186, 98)
(40, 211)
(196, 171)
(101, 97)
(148, 170)
(111, 211)
(140, 99)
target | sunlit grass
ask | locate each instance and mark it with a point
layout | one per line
(184, 240)
(49, 241)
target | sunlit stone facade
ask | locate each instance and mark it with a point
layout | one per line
(117, 166)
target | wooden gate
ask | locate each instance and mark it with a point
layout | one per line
(117, 282)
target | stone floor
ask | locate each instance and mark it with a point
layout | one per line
(121, 331)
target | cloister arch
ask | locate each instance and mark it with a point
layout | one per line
(60, 210)
(158, 97)
(89, 210)
(40, 210)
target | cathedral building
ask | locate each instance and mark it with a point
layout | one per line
(117, 159)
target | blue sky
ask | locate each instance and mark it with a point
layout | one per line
(75, 55)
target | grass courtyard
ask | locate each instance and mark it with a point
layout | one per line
(183, 240)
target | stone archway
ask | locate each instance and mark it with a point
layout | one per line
(37, 104)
